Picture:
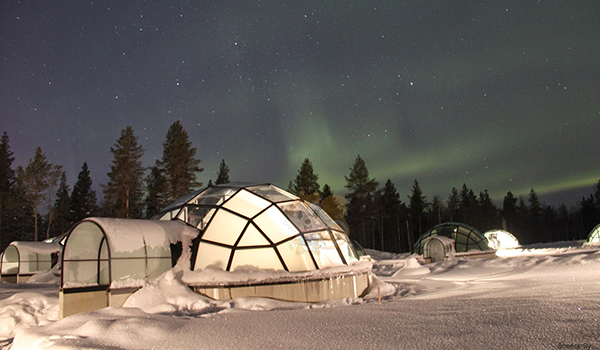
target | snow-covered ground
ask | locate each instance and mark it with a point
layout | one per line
(540, 298)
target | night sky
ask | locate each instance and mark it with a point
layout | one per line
(500, 95)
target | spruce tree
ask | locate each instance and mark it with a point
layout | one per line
(391, 206)
(306, 183)
(436, 210)
(326, 192)
(155, 192)
(39, 178)
(454, 205)
(83, 197)
(417, 206)
(223, 174)
(179, 165)
(62, 206)
(488, 213)
(20, 227)
(7, 182)
(123, 194)
(360, 207)
(469, 206)
(535, 214)
(509, 212)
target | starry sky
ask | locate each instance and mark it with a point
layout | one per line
(500, 95)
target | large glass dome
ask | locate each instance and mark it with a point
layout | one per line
(466, 237)
(260, 225)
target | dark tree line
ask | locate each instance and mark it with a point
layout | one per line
(36, 201)
(379, 218)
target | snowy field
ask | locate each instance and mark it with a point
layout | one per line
(543, 297)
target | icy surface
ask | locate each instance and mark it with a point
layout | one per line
(542, 297)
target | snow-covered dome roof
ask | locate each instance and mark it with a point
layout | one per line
(261, 225)
(594, 236)
(500, 239)
(28, 257)
(100, 251)
(466, 237)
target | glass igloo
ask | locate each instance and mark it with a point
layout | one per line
(500, 239)
(260, 225)
(594, 236)
(466, 237)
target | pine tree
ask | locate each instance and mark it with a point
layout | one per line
(39, 179)
(62, 206)
(123, 194)
(223, 174)
(7, 182)
(306, 182)
(522, 217)
(83, 197)
(535, 214)
(360, 207)
(468, 206)
(436, 211)
(454, 205)
(326, 191)
(418, 203)
(509, 211)
(488, 213)
(155, 189)
(391, 206)
(178, 165)
(20, 227)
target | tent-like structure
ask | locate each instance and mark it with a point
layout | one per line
(105, 260)
(465, 237)
(500, 239)
(20, 260)
(594, 236)
(260, 225)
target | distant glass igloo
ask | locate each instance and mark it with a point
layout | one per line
(594, 236)
(466, 237)
(500, 239)
(259, 225)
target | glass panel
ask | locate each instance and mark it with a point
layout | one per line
(166, 215)
(263, 258)
(275, 225)
(323, 249)
(213, 196)
(225, 228)
(210, 254)
(10, 260)
(272, 193)
(252, 237)
(128, 269)
(302, 216)
(295, 255)
(44, 265)
(83, 242)
(83, 272)
(246, 203)
(158, 266)
(103, 278)
(104, 251)
(325, 217)
(199, 216)
(345, 247)
(181, 201)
